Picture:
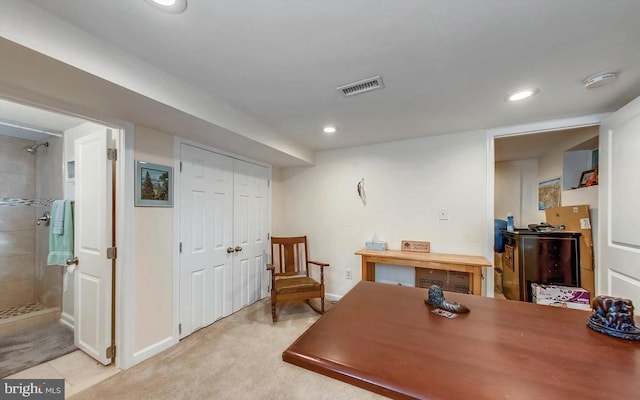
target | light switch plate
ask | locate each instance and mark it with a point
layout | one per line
(443, 214)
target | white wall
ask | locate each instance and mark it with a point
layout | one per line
(406, 183)
(516, 191)
(277, 216)
(153, 254)
(516, 182)
(550, 166)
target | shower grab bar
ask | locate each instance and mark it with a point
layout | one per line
(46, 218)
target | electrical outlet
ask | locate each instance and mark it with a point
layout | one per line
(347, 273)
(443, 214)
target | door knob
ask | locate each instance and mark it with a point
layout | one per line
(230, 250)
(72, 261)
(238, 248)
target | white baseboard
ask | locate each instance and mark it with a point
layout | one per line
(154, 349)
(332, 297)
(68, 320)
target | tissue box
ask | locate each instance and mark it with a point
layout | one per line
(375, 245)
(561, 296)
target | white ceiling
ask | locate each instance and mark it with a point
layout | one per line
(31, 123)
(535, 146)
(447, 65)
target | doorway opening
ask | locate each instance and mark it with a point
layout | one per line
(527, 160)
(37, 169)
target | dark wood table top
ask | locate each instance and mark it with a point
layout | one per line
(383, 338)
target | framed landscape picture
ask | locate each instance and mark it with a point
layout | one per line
(153, 185)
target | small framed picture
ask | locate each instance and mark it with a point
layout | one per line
(153, 185)
(587, 178)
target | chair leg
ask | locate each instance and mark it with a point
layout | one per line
(273, 306)
(322, 304)
(273, 312)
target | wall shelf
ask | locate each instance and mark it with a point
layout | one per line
(578, 159)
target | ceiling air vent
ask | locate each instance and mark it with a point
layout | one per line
(365, 85)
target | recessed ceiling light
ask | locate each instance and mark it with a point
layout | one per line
(522, 94)
(172, 6)
(330, 130)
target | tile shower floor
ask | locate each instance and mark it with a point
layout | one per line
(20, 310)
(78, 370)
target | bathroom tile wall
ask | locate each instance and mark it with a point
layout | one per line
(17, 223)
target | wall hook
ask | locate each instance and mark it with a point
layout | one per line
(361, 194)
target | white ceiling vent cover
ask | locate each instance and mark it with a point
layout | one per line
(363, 86)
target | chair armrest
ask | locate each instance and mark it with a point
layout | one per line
(321, 265)
(318, 263)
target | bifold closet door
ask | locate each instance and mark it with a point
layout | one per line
(250, 229)
(206, 225)
(223, 230)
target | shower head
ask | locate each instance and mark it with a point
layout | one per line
(33, 149)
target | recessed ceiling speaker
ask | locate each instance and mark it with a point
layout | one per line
(600, 79)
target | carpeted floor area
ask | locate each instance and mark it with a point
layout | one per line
(239, 357)
(33, 346)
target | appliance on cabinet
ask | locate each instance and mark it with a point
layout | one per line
(539, 257)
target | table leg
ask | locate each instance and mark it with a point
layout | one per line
(477, 283)
(368, 270)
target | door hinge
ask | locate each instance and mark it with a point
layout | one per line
(268, 236)
(268, 182)
(180, 247)
(179, 329)
(111, 351)
(112, 154)
(180, 166)
(112, 253)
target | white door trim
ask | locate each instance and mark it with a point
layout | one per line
(177, 144)
(514, 130)
(125, 322)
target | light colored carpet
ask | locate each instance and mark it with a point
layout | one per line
(239, 357)
(33, 346)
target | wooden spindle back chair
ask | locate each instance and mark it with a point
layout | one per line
(290, 280)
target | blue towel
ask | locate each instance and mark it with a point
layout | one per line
(57, 216)
(61, 245)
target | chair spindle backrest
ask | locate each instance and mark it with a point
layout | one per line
(289, 254)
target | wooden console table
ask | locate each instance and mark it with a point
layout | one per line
(447, 262)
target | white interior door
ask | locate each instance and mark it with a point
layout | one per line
(619, 197)
(205, 233)
(93, 229)
(250, 232)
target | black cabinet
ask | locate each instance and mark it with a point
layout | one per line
(539, 257)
